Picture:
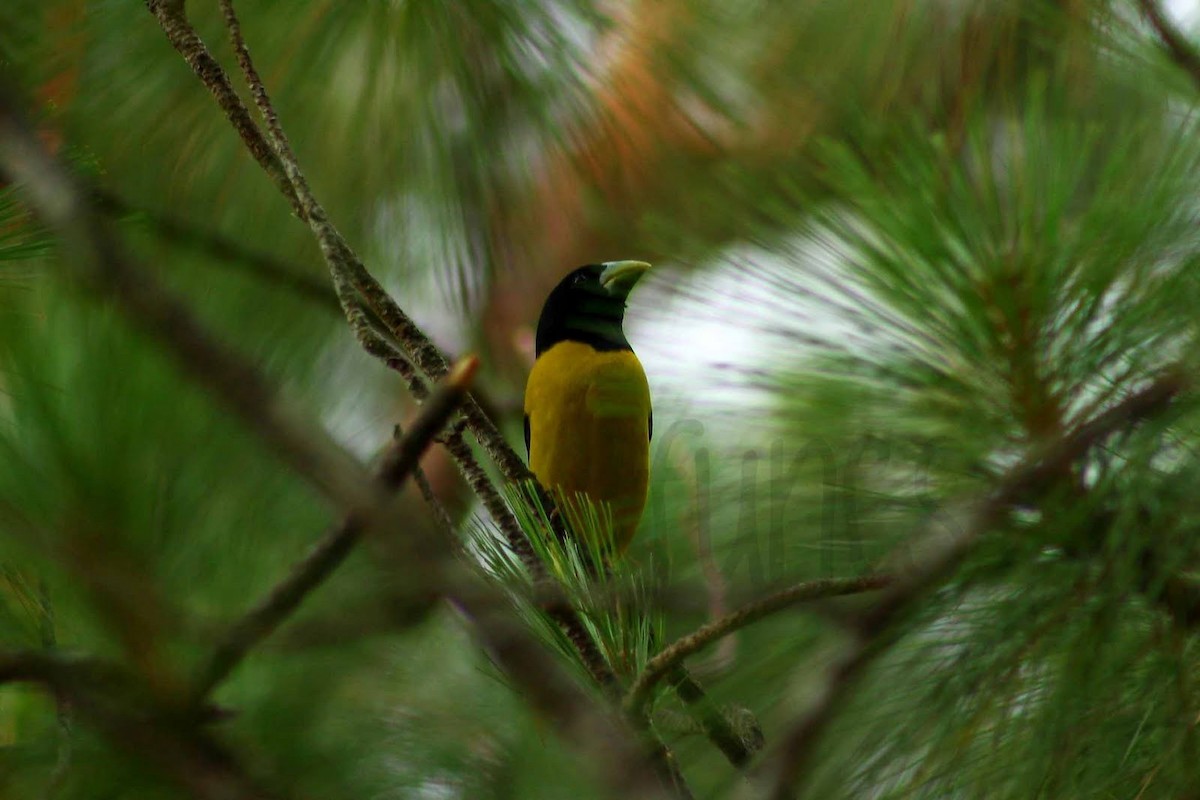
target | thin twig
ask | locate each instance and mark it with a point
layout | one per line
(948, 544)
(183, 37)
(440, 515)
(662, 664)
(341, 260)
(172, 18)
(1181, 50)
(436, 507)
(328, 554)
(738, 742)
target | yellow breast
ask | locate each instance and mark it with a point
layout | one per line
(589, 417)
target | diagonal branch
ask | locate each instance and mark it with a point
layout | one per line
(185, 40)
(662, 664)
(330, 552)
(349, 272)
(346, 268)
(173, 20)
(945, 550)
(343, 263)
(738, 742)
(1182, 51)
(350, 275)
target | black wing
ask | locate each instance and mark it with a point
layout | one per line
(649, 420)
(527, 436)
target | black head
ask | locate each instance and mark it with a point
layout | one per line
(588, 306)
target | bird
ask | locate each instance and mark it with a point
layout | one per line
(588, 416)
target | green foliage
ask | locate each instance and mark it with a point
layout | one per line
(20, 240)
(962, 229)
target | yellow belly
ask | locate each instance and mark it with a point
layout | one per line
(589, 417)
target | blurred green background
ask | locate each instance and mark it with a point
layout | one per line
(898, 245)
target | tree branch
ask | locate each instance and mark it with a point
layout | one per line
(671, 656)
(1182, 51)
(94, 257)
(436, 508)
(738, 743)
(327, 555)
(348, 272)
(172, 18)
(344, 265)
(183, 37)
(945, 549)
